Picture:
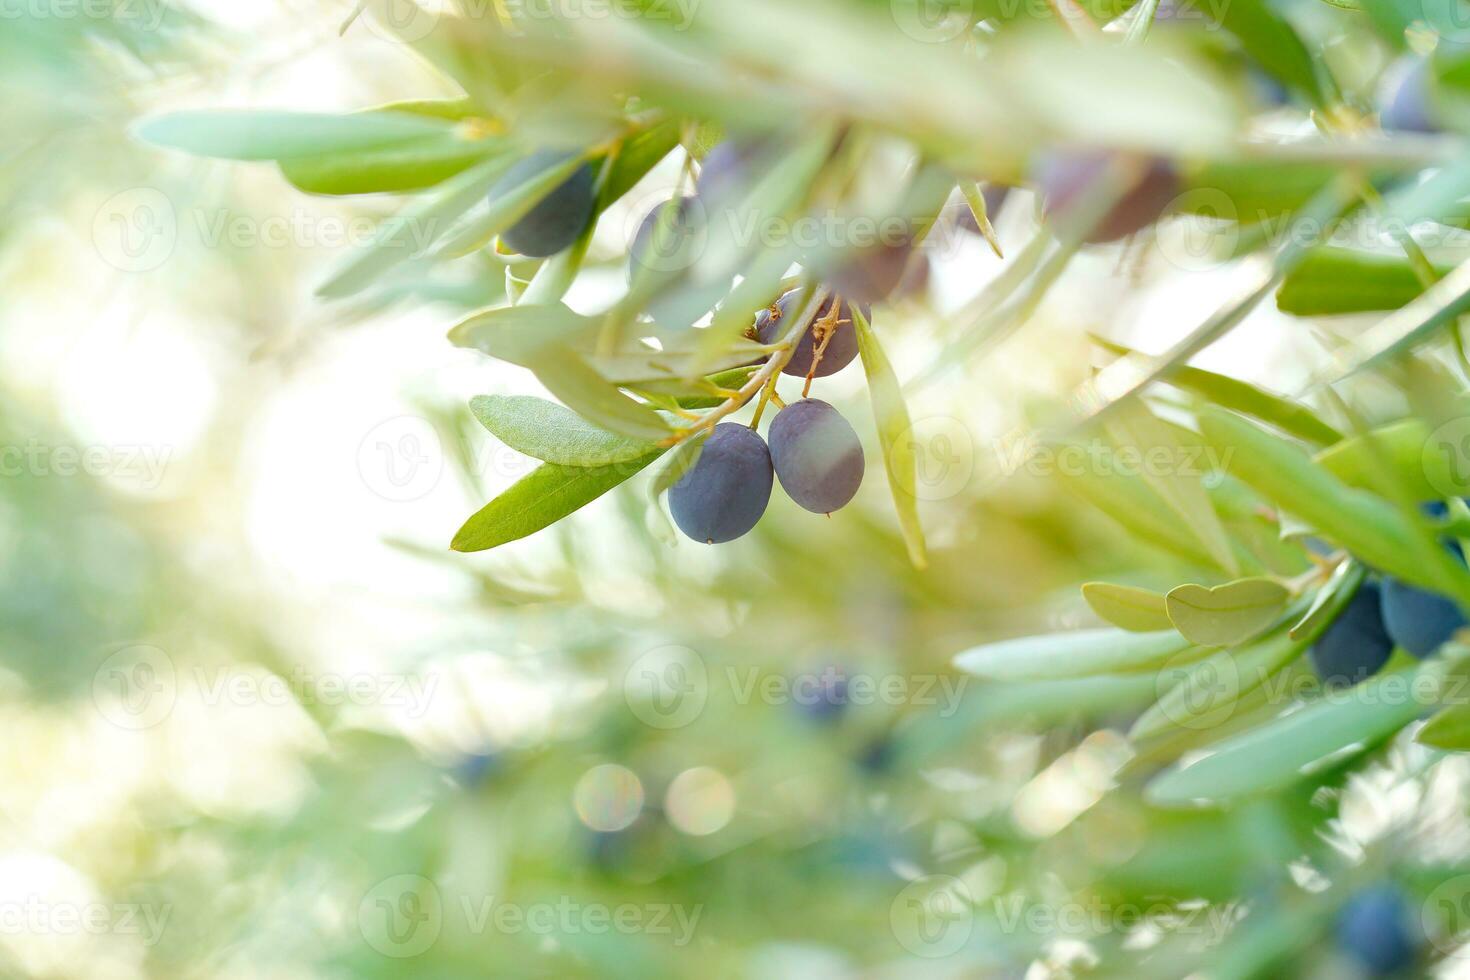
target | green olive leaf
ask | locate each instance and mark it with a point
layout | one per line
(1181, 490)
(540, 499)
(1279, 753)
(553, 433)
(571, 379)
(1226, 614)
(895, 433)
(1449, 729)
(236, 134)
(1132, 608)
(1203, 693)
(1346, 579)
(1080, 653)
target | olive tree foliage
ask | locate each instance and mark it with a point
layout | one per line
(1296, 593)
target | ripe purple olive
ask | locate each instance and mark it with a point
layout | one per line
(1356, 645)
(817, 456)
(559, 217)
(1064, 179)
(879, 272)
(772, 323)
(1405, 101)
(726, 491)
(678, 248)
(730, 170)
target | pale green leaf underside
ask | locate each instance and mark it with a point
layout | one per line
(1226, 614)
(1127, 606)
(553, 433)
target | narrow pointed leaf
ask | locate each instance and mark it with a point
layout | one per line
(567, 376)
(1439, 305)
(410, 233)
(1366, 525)
(1183, 491)
(1080, 653)
(540, 499)
(1280, 753)
(505, 209)
(243, 134)
(1345, 581)
(1227, 392)
(1332, 281)
(895, 434)
(1202, 694)
(1449, 729)
(409, 166)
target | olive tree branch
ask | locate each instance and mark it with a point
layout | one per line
(786, 349)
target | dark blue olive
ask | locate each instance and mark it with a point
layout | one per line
(1065, 178)
(1405, 102)
(477, 768)
(877, 756)
(817, 456)
(1267, 90)
(727, 490)
(772, 323)
(1418, 620)
(1356, 645)
(558, 218)
(820, 696)
(1376, 928)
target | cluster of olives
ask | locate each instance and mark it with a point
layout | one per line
(813, 451)
(1381, 616)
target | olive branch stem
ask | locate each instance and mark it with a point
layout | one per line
(786, 349)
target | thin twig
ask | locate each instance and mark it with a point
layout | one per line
(757, 380)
